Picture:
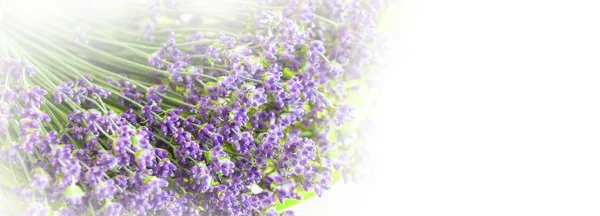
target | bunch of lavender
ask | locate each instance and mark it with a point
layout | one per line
(178, 108)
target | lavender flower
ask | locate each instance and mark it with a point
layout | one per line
(144, 158)
(226, 123)
(73, 195)
(343, 114)
(304, 10)
(164, 169)
(40, 179)
(105, 190)
(112, 209)
(33, 97)
(153, 94)
(64, 90)
(17, 68)
(37, 209)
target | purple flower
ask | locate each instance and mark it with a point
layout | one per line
(227, 40)
(30, 140)
(217, 139)
(64, 90)
(74, 195)
(304, 11)
(144, 158)
(94, 175)
(149, 112)
(17, 68)
(154, 94)
(78, 93)
(238, 116)
(171, 123)
(343, 114)
(250, 96)
(153, 185)
(37, 209)
(156, 60)
(105, 189)
(98, 91)
(164, 169)
(200, 178)
(252, 131)
(135, 202)
(130, 116)
(122, 150)
(271, 212)
(8, 94)
(335, 69)
(40, 179)
(106, 161)
(49, 141)
(174, 69)
(226, 167)
(213, 53)
(33, 97)
(112, 209)
(129, 91)
(288, 213)
(35, 115)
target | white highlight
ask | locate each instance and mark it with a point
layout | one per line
(491, 108)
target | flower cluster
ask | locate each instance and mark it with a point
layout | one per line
(221, 123)
(78, 91)
(16, 68)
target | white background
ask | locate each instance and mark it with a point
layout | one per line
(489, 108)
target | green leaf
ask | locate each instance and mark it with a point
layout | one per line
(333, 154)
(149, 179)
(288, 203)
(301, 28)
(138, 153)
(306, 133)
(74, 191)
(287, 73)
(208, 156)
(134, 141)
(114, 108)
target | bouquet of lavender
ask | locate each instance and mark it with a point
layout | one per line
(180, 107)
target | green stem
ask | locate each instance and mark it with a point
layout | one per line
(324, 57)
(326, 20)
(197, 29)
(95, 103)
(110, 56)
(124, 44)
